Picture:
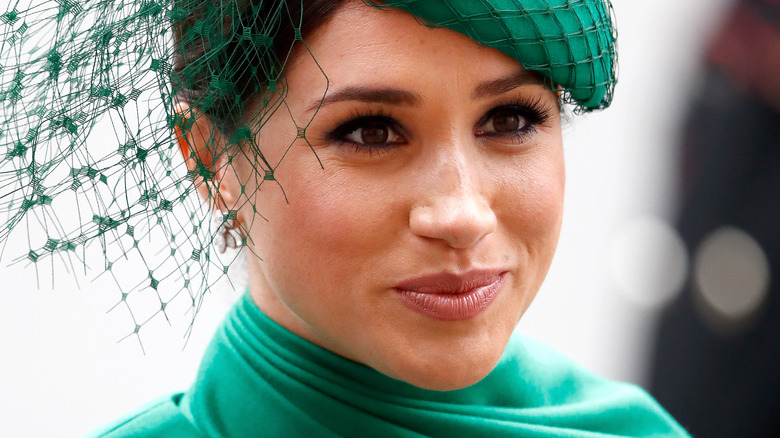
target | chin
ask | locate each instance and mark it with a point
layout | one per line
(456, 372)
(445, 380)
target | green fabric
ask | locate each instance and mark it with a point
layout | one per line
(572, 42)
(162, 418)
(258, 379)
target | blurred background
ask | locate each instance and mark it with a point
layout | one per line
(666, 273)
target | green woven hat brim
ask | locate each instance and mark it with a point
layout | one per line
(570, 42)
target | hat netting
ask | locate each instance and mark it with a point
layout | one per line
(91, 173)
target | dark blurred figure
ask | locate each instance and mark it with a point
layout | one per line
(717, 357)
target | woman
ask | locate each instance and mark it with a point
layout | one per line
(399, 191)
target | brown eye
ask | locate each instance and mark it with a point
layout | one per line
(374, 134)
(511, 122)
(374, 131)
(504, 123)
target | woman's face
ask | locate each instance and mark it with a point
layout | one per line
(423, 212)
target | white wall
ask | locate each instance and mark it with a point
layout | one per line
(62, 372)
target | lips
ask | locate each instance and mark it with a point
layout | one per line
(451, 297)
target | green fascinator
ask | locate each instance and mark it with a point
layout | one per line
(92, 175)
(571, 42)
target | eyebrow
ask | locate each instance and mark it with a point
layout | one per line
(508, 83)
(394, 96)
(390, 96)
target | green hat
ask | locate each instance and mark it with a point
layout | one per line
(571, 42)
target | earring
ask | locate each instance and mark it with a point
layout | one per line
(231, 234)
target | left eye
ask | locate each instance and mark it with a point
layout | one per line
(374, 133)
(503, 121)
(369, 132)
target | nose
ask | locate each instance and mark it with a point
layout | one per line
(454, 209)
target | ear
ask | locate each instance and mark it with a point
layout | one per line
(204, 149)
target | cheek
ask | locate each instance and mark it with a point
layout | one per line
(331, 215)
(329, 225)
(530, 203)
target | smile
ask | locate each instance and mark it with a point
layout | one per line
(451, 297)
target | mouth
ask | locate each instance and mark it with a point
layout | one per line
(451, 297)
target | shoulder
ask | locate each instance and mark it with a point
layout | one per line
(556, 377)
(559, 386)
(161, 418)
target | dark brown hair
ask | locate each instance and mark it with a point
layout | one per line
(225, 52)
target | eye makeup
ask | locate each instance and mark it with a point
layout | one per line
(376, 131)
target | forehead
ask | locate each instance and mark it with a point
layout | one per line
(360, 43)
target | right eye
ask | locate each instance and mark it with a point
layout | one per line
(377, 132)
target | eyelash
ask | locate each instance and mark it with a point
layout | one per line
(533, 111)
(361, 120)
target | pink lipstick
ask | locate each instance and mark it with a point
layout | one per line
(451, 297)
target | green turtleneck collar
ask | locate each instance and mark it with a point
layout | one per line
(259, 379)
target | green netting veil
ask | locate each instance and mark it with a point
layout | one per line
(92, 176)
